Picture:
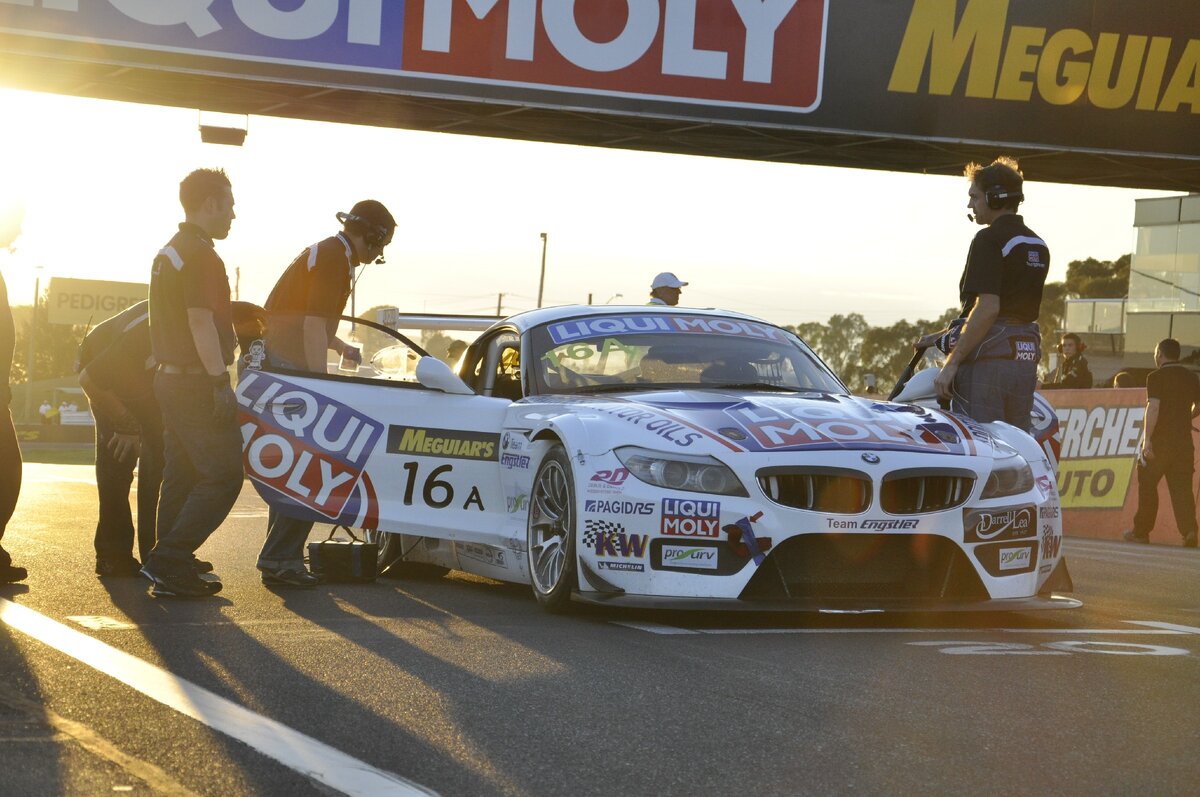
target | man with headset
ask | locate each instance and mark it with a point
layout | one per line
(993, 350)
(302, 321)
(1073, 371)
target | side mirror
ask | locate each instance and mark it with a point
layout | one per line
(436, 375)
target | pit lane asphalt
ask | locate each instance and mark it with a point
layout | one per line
(466, 687)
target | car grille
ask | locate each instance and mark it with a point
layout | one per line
(910, 492)
(866, 566)
(833, 490)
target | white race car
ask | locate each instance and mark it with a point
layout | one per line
(659, 456)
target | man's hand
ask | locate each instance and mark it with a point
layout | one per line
(351, 353)
(224, 401)
(125, 446)
(943, 383)
(1147, 451)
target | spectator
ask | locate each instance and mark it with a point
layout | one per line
(10, 453)
(1172, 401)
(192, 339)
(1073, 371)
(44, 411)
(1124, 379)
(666, 289)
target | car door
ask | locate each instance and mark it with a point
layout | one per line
(371, 450)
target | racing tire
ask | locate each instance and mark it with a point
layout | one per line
(551, 531)
(390, 563)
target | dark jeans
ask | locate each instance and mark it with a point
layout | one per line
(284, 548)
(202, 471)
(10, 475)
(114, 530)
(1178, 471)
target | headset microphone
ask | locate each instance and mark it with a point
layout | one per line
(971, 217)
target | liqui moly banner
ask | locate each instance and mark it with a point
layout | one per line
(755, 54)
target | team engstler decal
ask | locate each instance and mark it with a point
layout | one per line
(307, 447)
(607, 326)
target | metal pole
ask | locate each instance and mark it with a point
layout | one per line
(542, 281)
(499, 304)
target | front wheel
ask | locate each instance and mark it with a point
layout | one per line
(551, 532)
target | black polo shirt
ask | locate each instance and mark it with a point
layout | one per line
(188, 273)
(116, 355)
(1009, 260)
(1176, 389)
(317, 283)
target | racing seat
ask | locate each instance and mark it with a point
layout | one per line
(729, 373)
(669, 364)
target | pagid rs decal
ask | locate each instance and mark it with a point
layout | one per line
(447, 443)
(1099, 445)
(307, 446)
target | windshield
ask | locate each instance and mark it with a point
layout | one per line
(651, 351)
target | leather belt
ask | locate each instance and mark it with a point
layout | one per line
(167, 368)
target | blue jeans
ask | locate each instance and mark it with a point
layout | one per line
(202, 475)
(994, 386)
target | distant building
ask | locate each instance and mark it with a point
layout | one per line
(1164, 293)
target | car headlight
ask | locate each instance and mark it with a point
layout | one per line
(694, 474)
(1010, 476)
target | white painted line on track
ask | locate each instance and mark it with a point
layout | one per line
(299, 752)
(1153, 629)
(1182, 629)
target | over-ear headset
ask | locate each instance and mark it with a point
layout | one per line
(372, 234)
(999, 197)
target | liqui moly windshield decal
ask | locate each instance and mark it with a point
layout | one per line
(607, 326)
(306, 446)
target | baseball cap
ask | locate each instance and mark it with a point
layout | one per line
(667, 280)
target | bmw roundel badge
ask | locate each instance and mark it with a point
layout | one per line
(871, 459)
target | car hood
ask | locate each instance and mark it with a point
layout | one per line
(711, 421)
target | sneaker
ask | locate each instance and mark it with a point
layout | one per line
(290, 578)
(10, 574)
(182, 584)
(109, 568)
(1190, 540)
(201, 566)
(1131, 537)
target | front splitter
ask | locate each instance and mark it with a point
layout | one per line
(844, 606)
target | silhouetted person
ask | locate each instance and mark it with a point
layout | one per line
(10, 453)
(1172, 400)
(193, 341)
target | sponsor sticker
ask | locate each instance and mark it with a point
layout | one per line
(629, 567)
(449, 443)
(1015, 523)
(585, 328)
(618, 507)
(515, 503)
(689, 556)
(608, 539)
(608, 481)
(688, 517)
(487, 554)
(1051, 542)
(1015, 558)
(305, 445)
(888, 524)
(514, 461)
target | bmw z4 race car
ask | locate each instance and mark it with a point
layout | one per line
(654, 456)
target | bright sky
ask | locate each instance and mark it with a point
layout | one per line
(99, 184)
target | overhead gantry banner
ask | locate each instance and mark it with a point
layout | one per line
(1110, 77)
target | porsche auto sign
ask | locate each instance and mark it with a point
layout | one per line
(1111, 77)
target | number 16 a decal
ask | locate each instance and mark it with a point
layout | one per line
(436, 492)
